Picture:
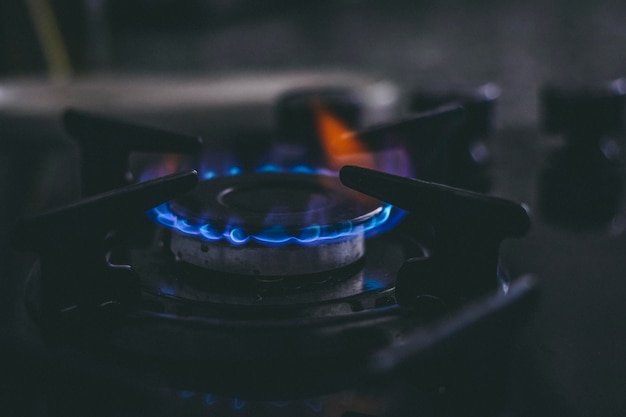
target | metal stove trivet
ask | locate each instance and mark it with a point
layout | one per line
(450, 302)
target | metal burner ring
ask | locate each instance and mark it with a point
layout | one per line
(272, 224)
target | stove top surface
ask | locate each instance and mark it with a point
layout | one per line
(567, 360)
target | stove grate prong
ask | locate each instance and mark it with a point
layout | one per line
(468, 228)
(106, 143)
(74, 243)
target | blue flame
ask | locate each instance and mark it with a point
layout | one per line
(370, 284)
(207, 175)
(168, 291)
(233, 171)
(239, 403)
(209, 399)
(277, 235)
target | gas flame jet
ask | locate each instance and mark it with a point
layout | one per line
(339, 143)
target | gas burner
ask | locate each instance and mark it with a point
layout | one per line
(336, 342)
(275, 281)
(271, 224)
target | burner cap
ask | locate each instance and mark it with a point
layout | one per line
(272, 224)
(258, 201)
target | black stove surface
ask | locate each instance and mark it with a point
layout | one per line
(568, 359)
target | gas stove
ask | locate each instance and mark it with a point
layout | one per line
(314, 244)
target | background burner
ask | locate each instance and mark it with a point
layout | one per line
(271, 224)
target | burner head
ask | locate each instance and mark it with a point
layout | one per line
(271, 224)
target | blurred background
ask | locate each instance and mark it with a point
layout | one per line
(518, 45)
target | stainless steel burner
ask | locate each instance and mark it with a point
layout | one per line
(272, 224)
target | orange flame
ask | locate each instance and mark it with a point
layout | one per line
(172, 163)
(339, 143)
(152, 167)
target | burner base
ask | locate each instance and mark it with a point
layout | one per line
(262, 260)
